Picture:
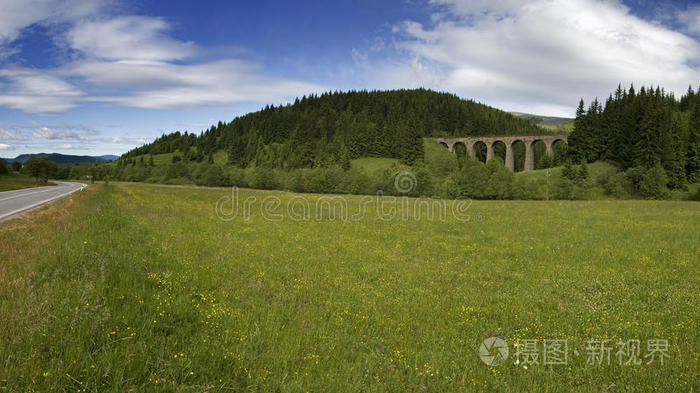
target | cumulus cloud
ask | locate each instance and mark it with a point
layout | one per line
(134, 56)
(542, 54)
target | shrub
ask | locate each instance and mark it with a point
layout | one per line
(500, 180)
(615, 184)
(471, 180)
(695, 196)
(525, 188)
(653, 184)
(359, 182)
(211, 176)
(262, 178)
(235, 176)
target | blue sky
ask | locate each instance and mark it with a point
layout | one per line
(104, 76)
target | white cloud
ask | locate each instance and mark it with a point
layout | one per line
(36, 91)
(165, 85)
(16, 15)
(128, 140)
(543, 54)
(64, 146)
(4, 146)
(127, 38)
(134, 56)
(690, 19)
(48, 132)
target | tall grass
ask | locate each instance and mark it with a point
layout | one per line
(141, 287)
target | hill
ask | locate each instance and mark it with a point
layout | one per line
(549, 123)
(541, 120)
(63, 158)
(318, 130)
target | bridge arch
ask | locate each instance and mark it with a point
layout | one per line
(480, 150)
(460, 149)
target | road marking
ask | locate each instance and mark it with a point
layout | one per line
(53, 188)
(82, 186)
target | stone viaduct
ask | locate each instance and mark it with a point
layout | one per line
(471, 142)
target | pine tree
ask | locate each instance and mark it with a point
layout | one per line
(344, 157)
(692, 165)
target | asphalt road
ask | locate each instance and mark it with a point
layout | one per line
(17, 201)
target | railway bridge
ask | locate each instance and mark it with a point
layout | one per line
(471, 142)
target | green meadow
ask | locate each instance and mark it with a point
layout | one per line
(138, 287)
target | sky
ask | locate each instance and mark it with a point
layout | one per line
(104, 76)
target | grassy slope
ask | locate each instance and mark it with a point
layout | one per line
(146, 288)
(434, 152)
(566, 127)
(16, 181)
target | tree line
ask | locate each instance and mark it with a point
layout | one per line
(645, 129)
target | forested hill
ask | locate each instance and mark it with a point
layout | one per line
(644, 128)
(319, 130)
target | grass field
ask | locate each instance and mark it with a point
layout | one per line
(133, 287)
(15, 181)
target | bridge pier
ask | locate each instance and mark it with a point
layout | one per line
(510, 162)
(529, 157)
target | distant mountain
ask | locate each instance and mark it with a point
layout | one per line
(108, 157)
(63, 158)
(541, 120)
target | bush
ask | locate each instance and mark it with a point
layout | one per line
(424, 182)
(500, 180)
(235, 176)
(653, 184)
(359, 182)
(526, 189)
(695, 196)
(179, 169)
(262, 178)
(472, 179)
(3, 167)
(212, 176)
(563, 188)
(615, 184)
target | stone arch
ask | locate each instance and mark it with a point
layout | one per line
(460, 149)
(517, 154)
(445, 144)
(480, 151)
(539, 148)
(500, 149)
